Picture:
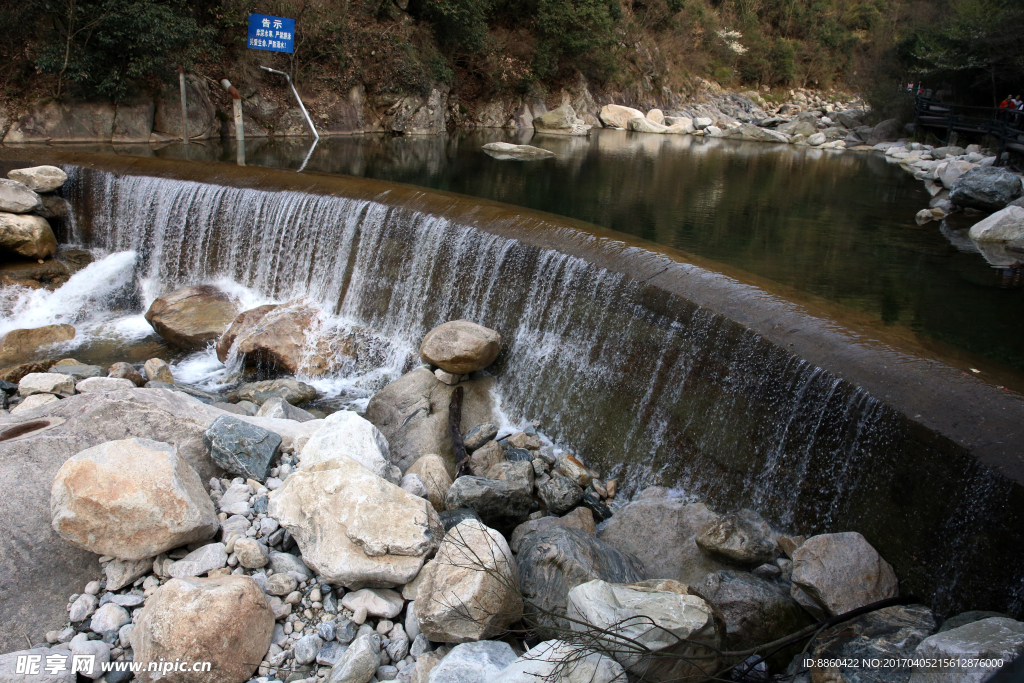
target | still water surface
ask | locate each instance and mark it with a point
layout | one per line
(835, 225)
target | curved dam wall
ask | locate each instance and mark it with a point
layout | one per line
(656, 367)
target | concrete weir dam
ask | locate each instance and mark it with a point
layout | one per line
(655, 366)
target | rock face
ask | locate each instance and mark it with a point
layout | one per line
(1002, 226)
(345, 433)
(241, 448)
(21, 345)
(15, 197)
(561, 121)
(657, 620)
(192, 317)
(740, 537)
(469, 592)
(661, 532)
(547, 662)
(39, 178)
(842, 572)
(131, 499)
(355, 528)
(412, 413)
(986, 188)
(505, 150)
(28, 236)
(755, 611)
(225, 621)
(618, 116)
(473, 663)
(499, 502)
(993, 638)
(460, 347)
(555, 560)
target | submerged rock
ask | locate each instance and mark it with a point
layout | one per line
(842, 572)
(505, 150)
(192, 317)
(131, 499)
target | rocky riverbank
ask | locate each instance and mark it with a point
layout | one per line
(285, 544)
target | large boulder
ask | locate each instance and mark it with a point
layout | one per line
(479, 662)
(748, 131)
(226, 621)
(15, 197)
(986, 188)
(842, 572)
(412, 413)
(353, 527)
(21, 345)
(346, 434)
(499, 502)
(645, 125)
(996, 638)
(131, 499)
(28, 236)
(804, 124)
(741, 538)
(754, 611)
(886, 131)
(460, 347)
(556, 661)
(1002, 226)
(39, 178)
(618, 116)
(561, 121)
(192, 317)
(240, 447)
(662, 533)
(471, 589)
(555, 560)
(292, 337)
(650, 632)
(37, 565)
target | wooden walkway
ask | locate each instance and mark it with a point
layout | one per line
(1007, 127)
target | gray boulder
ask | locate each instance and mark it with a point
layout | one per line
(986, 188)
(886, 131)
(968, 617)
(479, 435)
(661, 532)
(17, 198)
(561, 121)
(9, 666)
(460, 347)
(39, 178)
(741, 538)
(282, 409)
(555, 560)
(499, 503)
(995, 638)
(192, 318)
(842, 572)
(1006, 225)
(241, 448)
(560, 494)
(291, 390)
(360, 661)
(479, 662)
(754, 611)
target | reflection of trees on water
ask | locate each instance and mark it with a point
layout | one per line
(839, 225)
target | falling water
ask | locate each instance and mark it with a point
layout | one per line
(650, 389)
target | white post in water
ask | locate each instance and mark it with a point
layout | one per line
(298, 99)
(184, 104)
(236, 101)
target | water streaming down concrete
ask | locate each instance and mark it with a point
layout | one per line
(656, 369)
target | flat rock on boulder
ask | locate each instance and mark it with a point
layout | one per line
(842, 572)
(670, 625)
(469, 592)
(240, 447)
(460, 347)
(661, 532)
(987, 188)
(27, 236)
(353, 527)
(103, 384)
(741, 538)
(555, 560)
(21, 345)
(226, 621)
(39, 178)
(345, 433)
(192, 317)
(131, 499)
(412, 413)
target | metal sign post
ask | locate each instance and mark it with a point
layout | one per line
(297, 98)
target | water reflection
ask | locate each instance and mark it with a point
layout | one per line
(837, 225)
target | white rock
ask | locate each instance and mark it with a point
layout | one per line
(103, 384)
(251, 553)
(995, 638)
(62, 659)
(353, 527)
(46, 383)
(200, 561)
(702, 122)
(816, 139)
(282, 409)
(346, 434)
(377, 602)
(474, 663)
(39, 178)
(414, 485)
(618, 116)
(109, 618)
(83, 606)
(32, 402)
(1006, 225)
(97, 649)
(546, 662)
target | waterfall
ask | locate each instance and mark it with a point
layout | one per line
(645, 386)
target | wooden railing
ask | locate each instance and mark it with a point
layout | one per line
(1007, 127)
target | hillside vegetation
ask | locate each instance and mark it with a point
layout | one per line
(493, 48)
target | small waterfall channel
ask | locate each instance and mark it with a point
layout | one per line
(654, 370)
